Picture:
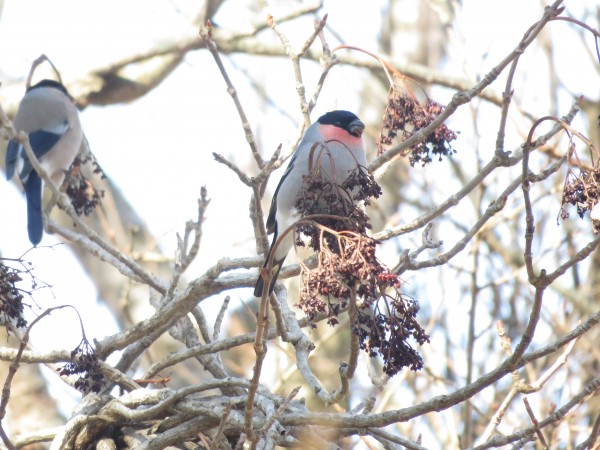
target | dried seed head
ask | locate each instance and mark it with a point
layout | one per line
(348, 268)
(11, 299)
(84, 363)
(583, 192)
(404, 116)
(84, 196)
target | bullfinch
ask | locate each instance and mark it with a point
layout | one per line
(334, 140)
(50, 118)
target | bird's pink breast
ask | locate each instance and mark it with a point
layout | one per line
(333, 133)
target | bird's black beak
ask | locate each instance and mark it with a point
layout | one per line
(356, 128)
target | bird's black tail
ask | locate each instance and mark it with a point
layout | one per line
(33, 193)
(260, 283)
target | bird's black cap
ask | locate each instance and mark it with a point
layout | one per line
(50, 84)
(343, 119)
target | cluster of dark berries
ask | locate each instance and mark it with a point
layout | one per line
(362, 185)
(351, 264)
(348, 270)
(11, 299)
(84, 196)
(333, 206)
(583, 192)
(404, 116)
(84, 363)
(386, 332)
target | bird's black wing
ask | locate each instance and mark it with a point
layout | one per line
(271, 221)
(41, 143)
(12, 153)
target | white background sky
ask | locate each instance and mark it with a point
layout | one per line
(158, 149)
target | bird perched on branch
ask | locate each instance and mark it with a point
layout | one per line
(49, 116)
(333, 141)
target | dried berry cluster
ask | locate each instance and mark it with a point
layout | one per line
(404, 115)
(583, 192)
(84, 363)
(11, 299)
(335, 205)
(84, 196)
(386, 332)
(348, 270)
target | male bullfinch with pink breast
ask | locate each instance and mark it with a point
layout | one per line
(50, 118)
(335, 140)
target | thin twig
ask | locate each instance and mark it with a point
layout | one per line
(493, 208)
(206, 36)
(591, 440)
(220, 317)
(39, 60)
(260, 349)
(239, 172)
(295, 58)
(506, 98)
(535, 422)
(559, 414)
(347, 370)
(215, 441)
(196, 226)
(328, 60)
(279, 412)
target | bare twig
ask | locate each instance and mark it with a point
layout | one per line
(295, 57)
(591, 440)
(39, 60)
(518, 385)
(191, 252)
(558, 415)
(535, 422)
(443, 401)
(347, 370)
(206, 36)
(220, 317)
(215, 441)
(241, 175)
(279, 412)
(492, 209)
